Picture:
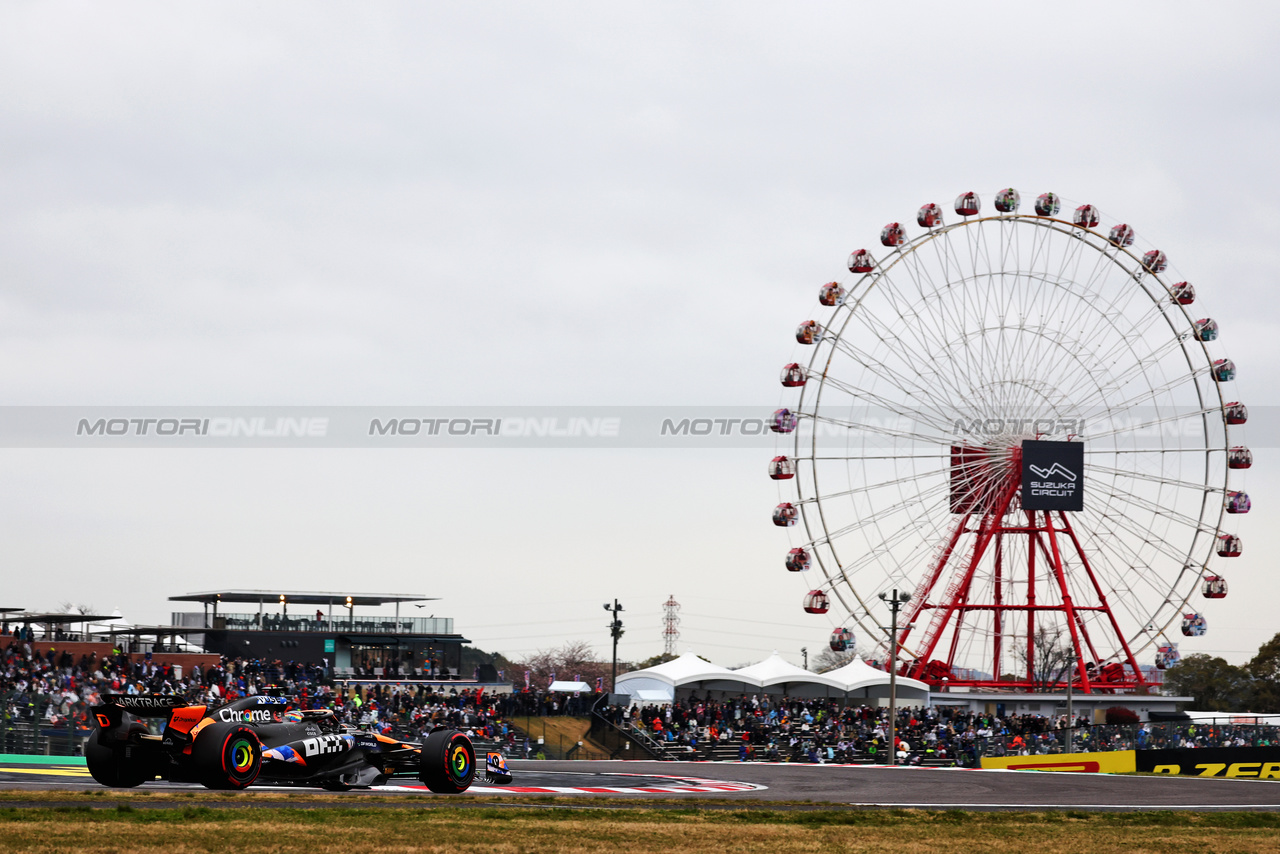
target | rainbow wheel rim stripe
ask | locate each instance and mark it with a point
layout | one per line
(241, 756)
(459, 761)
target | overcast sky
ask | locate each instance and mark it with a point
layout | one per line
(549, 204)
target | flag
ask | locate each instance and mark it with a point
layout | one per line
(526, 680)
(599, 684)
(552, 681)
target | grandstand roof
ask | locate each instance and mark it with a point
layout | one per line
(51, 619)
(301, 597)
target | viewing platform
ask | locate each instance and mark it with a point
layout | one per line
(324, 628)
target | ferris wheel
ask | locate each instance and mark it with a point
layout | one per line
(1020, 418)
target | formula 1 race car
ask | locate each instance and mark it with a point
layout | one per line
(262, 739)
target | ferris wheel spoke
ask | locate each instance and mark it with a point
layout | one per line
(882, 371)
(868, 488)
(1123, 341)
(876, 430)
(1150, 396)
(1155, 424)
(1148, 506)
(934, 324)
(911, 321)
(1142, 364)
(890, 510)
(947, 316)
(1174, 483)
(1151, 587)
(1106, 536)
(1156, 509)
(886, 546)
(933, 457)
(929, 419)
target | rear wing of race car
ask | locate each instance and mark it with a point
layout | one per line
(176, 710)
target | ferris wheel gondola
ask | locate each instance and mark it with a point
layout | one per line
(1214, 587)
(841, 640)
(1167, 656)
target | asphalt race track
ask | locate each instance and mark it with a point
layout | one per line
(758, 783)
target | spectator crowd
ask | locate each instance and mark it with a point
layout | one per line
(54, 690)
(821, 730)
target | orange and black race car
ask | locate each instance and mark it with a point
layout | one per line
(265, 740)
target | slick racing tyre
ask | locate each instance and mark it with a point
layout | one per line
(227, 756)
(110, 767)
(447, 762)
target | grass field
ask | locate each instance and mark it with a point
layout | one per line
(95, 824)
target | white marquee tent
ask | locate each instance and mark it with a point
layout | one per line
(567, 687)
(689, 674)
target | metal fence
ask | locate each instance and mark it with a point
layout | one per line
(25, 726)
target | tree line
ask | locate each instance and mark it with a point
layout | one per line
(1218, 686)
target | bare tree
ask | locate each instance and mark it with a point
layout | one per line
(1052, 660)
(572, 658)
(829, 659)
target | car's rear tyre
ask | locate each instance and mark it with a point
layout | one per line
(109, 766)
(227, 756)
(447, 763)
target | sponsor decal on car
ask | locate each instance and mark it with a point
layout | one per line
(247, 716)
(327, 744)
(284, 753)
(367, 742)
(182, 720)
(143, 702)
(272, 701)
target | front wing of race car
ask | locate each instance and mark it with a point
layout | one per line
(495, 769)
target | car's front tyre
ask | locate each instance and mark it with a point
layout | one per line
(447, 762)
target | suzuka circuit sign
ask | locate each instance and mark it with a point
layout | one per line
(1052, 475)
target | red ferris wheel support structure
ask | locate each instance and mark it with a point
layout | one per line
(986, 496)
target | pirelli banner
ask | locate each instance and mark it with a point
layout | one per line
(1110, 762)
(1256, 762)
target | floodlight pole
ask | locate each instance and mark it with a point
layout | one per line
(1071, 717)
(896, 601)
(616, 631)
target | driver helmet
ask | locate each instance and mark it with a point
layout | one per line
(293, 716)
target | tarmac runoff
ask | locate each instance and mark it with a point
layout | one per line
(745, 785)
